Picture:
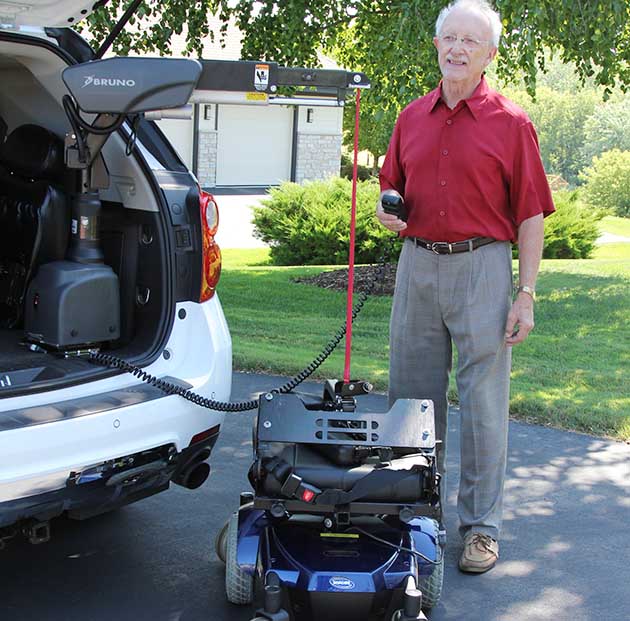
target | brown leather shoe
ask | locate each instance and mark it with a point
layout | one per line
(480, 554)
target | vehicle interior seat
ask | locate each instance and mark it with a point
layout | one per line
(34, 213)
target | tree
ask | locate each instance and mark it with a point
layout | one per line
(375, 127)
(391, 40)
(390, 90)
(606, 129)
(560, 119)
(154, 23)
(561, 76)
(394, 34)
(607, 182)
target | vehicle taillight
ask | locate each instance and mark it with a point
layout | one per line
(211, 255)
(204, 435)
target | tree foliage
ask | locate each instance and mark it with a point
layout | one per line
(593, 34)
(389, 40)
(154, 23)
(561, 76)
(606, 129)
(394, 36)
(560, 119)
(607, 182)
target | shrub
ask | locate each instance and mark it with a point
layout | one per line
(310, 224)
(570, 232)
(347, 164)
(607, 182)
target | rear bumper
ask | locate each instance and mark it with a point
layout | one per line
(47, 439)
(91, 498)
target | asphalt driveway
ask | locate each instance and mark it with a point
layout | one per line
(565, 551)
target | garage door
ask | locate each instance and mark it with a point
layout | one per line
(254, 145)
(180, 134)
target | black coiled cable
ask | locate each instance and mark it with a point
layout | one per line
(243, 406)
(332, 344)
(169, 388)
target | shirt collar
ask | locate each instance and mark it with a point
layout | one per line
(473, 103)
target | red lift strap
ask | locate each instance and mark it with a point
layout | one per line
(353, 220)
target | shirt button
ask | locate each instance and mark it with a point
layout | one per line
(449, 121)
(442, 183)
(445, 152)
(442, 213)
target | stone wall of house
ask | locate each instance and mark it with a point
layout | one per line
(207, 159)
(318, 156)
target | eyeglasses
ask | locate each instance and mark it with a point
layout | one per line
(470, 43)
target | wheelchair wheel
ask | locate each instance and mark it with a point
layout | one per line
(220, 542)
(239, 586)
(431, 586)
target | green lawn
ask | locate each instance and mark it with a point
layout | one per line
(613, 252)
(573, 371)
(615, 225)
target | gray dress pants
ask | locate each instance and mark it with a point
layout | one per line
(463, 299)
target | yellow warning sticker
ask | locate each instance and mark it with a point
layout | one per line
(256, 96)
(340, 535)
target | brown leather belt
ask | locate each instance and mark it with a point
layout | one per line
(468, 245)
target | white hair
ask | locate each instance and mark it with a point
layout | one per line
(484, 7)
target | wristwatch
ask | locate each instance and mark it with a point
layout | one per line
(528, 290)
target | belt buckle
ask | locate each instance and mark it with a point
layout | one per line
(446, 245)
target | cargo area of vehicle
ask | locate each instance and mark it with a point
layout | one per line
(35, 223)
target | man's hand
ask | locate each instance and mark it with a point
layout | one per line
(388, 220)
(520, 320)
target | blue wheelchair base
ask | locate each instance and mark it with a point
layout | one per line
(360, 571)
(344, 520)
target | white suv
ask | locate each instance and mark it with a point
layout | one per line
(78, 437)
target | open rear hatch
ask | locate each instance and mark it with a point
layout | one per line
(46, 13)
(72, 304)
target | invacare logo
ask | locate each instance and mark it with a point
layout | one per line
(339, 582)
(90, 80)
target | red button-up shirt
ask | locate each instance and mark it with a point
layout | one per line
(474, 171)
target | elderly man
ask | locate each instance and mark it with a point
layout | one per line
(466, 161)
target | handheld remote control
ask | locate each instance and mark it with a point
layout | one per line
(395, 206)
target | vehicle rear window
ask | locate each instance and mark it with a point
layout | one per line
(158, 145)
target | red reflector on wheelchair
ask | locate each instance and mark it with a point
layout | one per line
(308, 495)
